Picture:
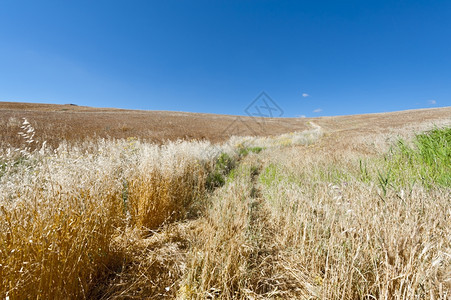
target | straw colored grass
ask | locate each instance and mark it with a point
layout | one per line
(306, 223)
(353, 241)
(288, 217)
(61, 210)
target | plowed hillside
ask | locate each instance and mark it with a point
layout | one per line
(55, 123)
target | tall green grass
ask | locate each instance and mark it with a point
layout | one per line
(426, 160)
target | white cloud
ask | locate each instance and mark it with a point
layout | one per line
(301, 116)
(318, 110)
(305, 95)
(432, 102)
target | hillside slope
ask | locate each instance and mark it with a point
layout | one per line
(54, 123)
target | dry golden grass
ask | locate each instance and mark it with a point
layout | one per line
(304, 217)
(55, 242)
(61, 210)
(156, 197)
(347, 239)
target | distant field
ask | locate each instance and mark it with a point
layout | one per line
(171, 206)
(76, 123)
(54, 123)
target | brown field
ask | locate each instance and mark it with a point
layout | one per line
(54, 123)
(75, 123)
(316, 208)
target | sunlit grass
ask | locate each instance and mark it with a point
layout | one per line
(191, 220)
(427, 159)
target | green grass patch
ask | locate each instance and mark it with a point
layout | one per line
(223, 166)
(427, 159)
(14, 165)
(273, 174)
(243, 151)
(270, 175)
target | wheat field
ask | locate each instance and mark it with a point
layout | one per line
(313, 214)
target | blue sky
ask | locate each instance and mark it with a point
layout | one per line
(312, 58)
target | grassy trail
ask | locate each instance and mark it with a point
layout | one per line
(262, 222)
